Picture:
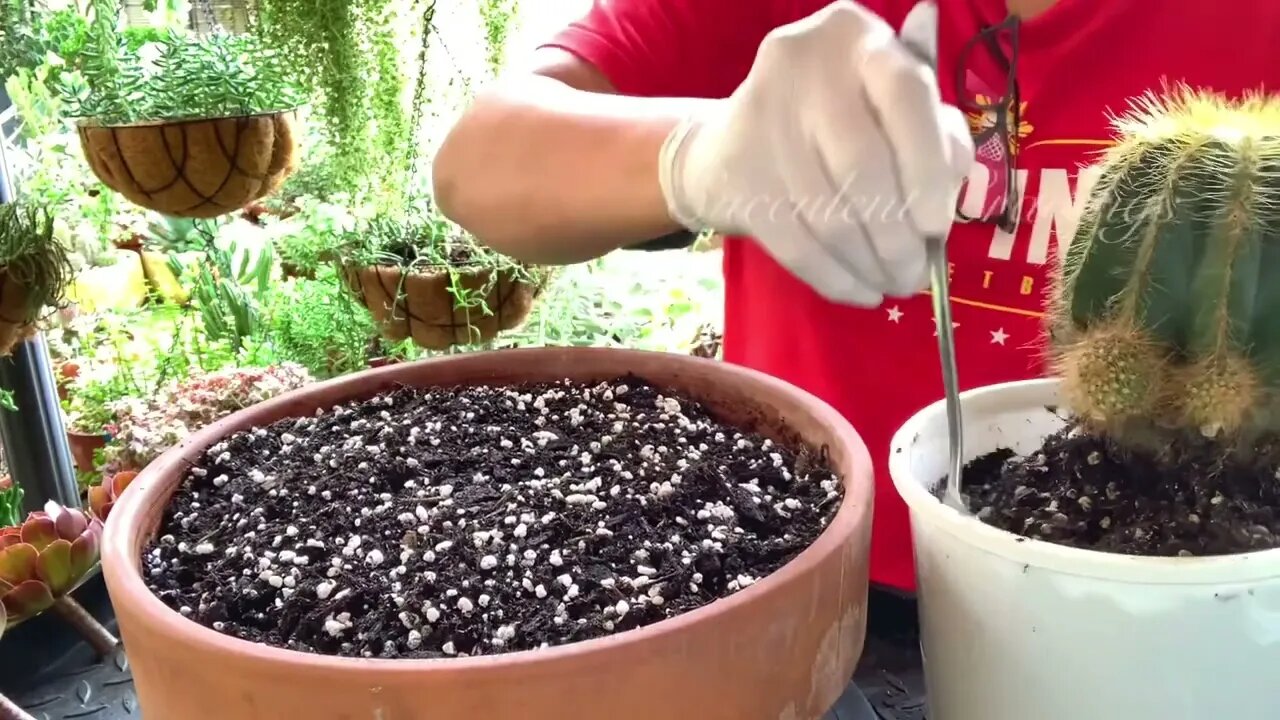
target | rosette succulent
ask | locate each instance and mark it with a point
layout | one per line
(1164, 315)
(44, 558)
(103, 497)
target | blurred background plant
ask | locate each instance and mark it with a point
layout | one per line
(262, 289)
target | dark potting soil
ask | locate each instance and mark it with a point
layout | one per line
(481, 520)
(1085, 491)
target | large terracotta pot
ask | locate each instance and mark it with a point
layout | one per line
(199, 168)
(782, 649)
(422, 305)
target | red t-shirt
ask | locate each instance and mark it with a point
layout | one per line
(1077, 61)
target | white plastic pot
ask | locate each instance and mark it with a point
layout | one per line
(1018, 629)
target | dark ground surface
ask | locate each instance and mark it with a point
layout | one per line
(1084, 491)
(75, 686)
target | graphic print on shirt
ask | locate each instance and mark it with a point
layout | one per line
(1008, 277)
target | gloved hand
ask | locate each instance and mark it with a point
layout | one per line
(836, 154)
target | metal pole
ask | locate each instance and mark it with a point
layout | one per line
(34, 437)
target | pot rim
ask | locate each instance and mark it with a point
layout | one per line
(148, 495)
(967, 529)
(90, 123)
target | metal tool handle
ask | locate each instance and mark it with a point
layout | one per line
(935, 250)
(919, 34)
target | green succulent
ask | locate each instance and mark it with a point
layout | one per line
(1164, 312)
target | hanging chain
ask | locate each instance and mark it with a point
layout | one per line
(419, 90)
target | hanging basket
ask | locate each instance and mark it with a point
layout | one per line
(199, 168)
(17, 316)
(423, 305)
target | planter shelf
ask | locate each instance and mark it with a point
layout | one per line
(195, 168)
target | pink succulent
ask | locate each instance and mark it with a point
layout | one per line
(45, 557)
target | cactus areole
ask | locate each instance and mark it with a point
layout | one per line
(1166, 313)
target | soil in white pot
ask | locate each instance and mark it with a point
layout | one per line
(1082, 490)
(481, 520)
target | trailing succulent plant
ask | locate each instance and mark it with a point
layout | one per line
(1164, 315)
(182, 76)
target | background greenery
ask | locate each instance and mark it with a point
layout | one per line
(259, 289)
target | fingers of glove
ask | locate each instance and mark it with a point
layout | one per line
(840, 23)
(963, 154)
(792, 245)
(860, 162)
(827, 217)
(820, 41)
(904, 94)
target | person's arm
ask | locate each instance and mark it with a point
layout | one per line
(835, 153)
(553, 167)
(559, 163)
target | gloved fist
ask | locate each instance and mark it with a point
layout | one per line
(836, 154)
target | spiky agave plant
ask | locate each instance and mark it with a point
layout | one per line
(1166, 309)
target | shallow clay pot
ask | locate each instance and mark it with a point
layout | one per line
(198, 168)
(782, 649)
(421, 305)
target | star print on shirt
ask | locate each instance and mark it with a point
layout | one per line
(894, 314)
(999, 336)
(954, 325)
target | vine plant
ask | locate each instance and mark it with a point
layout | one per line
(498, 17)
(354, 47)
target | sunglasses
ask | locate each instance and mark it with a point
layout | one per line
(994, 139)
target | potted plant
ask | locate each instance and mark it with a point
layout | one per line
(226, 102)
(143, 428)
(318, 325)
(1116, 556)
(424, 278)
(34, 270)
(93, 405)
(43, 559)
(604, 525)
(310, 237)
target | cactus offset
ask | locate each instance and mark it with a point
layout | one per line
(1165, 308)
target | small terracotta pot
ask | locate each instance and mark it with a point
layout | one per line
(782, 649)
(133, 243)
(82, 447)
(199, 168)
(422, 305)
(289, 270)
(67, 371)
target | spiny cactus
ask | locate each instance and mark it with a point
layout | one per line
(1167, 306)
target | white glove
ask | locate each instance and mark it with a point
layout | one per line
(836, 154)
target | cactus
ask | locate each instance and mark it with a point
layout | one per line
(1166, 314)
